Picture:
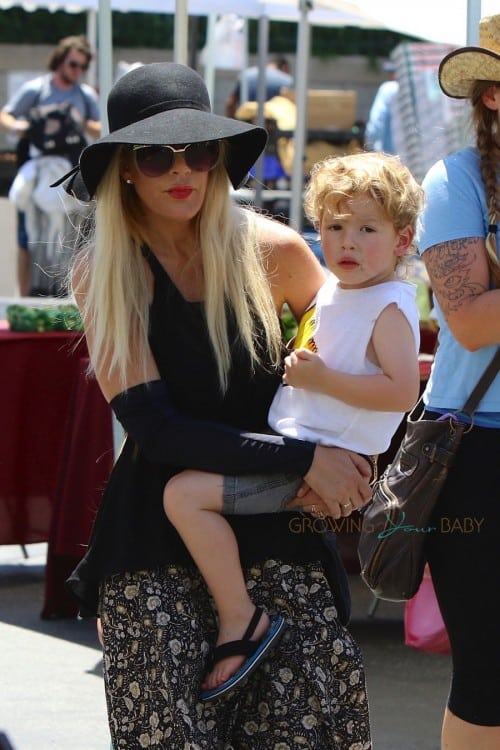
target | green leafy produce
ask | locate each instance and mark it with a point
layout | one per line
(42, 319)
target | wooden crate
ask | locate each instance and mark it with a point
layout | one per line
(328, 108)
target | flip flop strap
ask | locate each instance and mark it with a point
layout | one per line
(252, 625)
(243, 647)
(235, 648)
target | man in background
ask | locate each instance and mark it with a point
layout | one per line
(38, 113)
(277, 76)
(379, 133)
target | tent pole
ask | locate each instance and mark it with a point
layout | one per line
(299, 140)
(181, 32)
(263, 49)
(473, 18)
(210, 56)
(92, 38)
(105, 58)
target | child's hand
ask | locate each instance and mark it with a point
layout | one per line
(303, 369)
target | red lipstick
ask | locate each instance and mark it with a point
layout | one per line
(180, 192)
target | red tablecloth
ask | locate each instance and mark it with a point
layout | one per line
(56, 452)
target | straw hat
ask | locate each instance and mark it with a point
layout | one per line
(164, 103)
(460, 68)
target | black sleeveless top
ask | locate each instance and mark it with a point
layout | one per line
(131, 531)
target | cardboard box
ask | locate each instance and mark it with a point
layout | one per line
(328, 108)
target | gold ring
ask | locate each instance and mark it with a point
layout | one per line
(313, 510)
(346, 505)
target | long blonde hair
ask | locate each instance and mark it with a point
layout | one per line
(116, 304)
(487, 138)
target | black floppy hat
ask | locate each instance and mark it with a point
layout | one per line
(164, 104)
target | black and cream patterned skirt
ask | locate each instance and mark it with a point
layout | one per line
(159, 628)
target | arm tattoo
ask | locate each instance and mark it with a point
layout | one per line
(449, 266)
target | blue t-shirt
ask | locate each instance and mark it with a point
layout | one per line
(41, 91)
(456, 208)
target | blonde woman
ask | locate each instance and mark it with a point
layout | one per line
(459, 244)
(180, 292)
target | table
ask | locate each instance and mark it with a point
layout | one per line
(56, 452)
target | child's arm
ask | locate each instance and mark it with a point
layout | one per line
(396, 388)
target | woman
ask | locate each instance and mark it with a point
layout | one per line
(460, 249)
(179, 291)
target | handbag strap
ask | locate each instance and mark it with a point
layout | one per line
(482, 385)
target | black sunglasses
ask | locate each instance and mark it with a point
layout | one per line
(74, 64)
(154, 161)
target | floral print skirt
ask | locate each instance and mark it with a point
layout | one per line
(159, 628)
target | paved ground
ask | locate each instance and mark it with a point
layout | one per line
(51, 692)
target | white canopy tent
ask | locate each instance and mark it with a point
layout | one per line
(330, 12)
(430, 20)
(449, 21)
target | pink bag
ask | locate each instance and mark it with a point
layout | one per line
(424, 626)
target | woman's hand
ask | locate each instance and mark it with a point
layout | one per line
(307, 500)
(340, 481)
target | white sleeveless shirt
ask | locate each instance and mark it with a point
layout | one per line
(343, 326)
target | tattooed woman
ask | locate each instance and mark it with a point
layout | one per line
(460, 249)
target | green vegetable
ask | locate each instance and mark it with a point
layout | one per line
(57, 318)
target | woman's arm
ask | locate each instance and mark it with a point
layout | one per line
(164, 436)
(295, 274)
(459, 276)
(143, 407)
(394, 389)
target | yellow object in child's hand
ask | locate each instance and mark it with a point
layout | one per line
(305, 333)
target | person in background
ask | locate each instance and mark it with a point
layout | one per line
(40, 96)
(459, 245)
(379, 127)
(277, 74)
(349, 384)
(175, 282)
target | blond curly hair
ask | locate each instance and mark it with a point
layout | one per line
(383, 177)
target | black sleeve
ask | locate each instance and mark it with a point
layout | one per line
(164, 436)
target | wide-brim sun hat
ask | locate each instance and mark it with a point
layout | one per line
(461, 68)
(164, 103)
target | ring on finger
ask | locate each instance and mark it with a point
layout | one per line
(315, 511)
(346, 505)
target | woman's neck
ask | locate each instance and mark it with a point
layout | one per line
(174, 241)
(182, 262)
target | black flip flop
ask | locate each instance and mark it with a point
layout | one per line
(256, 651)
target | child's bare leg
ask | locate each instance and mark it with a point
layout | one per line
(193, 503)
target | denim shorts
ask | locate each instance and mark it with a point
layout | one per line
(255, 493)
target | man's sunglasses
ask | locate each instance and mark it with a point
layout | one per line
(74, 64)
(155, 161)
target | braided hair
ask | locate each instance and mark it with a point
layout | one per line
(488, 143)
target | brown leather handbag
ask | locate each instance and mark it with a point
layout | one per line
(396, 521)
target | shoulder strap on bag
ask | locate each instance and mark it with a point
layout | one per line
(482, 385)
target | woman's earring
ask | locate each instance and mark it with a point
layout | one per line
(129, 182)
